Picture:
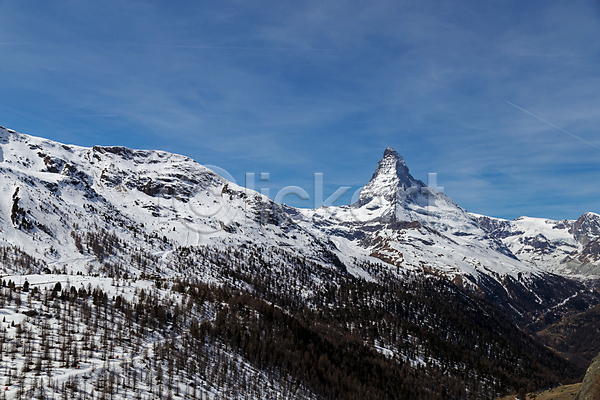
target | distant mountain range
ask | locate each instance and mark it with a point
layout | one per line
(75, 208)
(402, 283)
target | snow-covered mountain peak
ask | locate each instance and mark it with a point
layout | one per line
(390, 152)
(403, 222)
(391, 175)
(393, 166)
(586, 228)
(394, 194)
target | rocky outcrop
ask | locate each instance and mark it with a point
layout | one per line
(590, 388)
(390, 177)
(586, 228)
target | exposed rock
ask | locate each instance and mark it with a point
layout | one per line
(390, 176)
(586, 228)
(590, 388)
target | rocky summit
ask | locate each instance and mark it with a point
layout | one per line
(221, 288)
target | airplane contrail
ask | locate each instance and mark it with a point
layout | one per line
(552, 125)
(202, 47)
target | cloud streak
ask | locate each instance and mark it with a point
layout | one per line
(552, 125)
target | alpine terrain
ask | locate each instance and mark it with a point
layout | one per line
(136, 274)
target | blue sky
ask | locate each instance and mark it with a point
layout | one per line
(294, 88)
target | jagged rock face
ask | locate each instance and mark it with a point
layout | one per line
(590, 252)
(586, 231)
(590, 388)
(565, 246)
(587, 260)
(391, 176)
(409, 226)
(586, 228)
(497, 227)
(57, 198)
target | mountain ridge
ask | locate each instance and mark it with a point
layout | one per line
(57, 195)
(389, 287)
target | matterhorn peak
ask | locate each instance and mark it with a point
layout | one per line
(393, 164)
(391, 175)
(392, 154)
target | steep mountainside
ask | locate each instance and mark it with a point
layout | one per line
(401, 221)
(575, 337)
(101, 208)
(403, 286)
(84, 209)
(566, 247)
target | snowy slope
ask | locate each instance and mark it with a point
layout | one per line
(566, 246)
(117, 211)
(401, 221)
(538, 241)
(124, 220)
(77, 208)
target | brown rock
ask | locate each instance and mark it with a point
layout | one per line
(590, 388)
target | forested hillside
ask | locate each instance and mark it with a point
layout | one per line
(142, 274)
(416, 337)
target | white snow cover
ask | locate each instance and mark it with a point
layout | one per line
(157, 201)
(153, 200)
(545, 243)
(151, 204)
(414, 226)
